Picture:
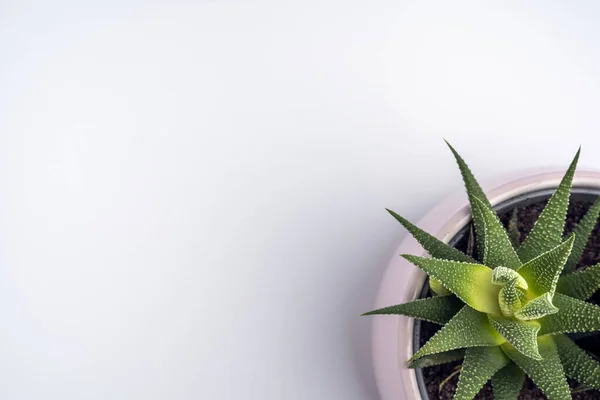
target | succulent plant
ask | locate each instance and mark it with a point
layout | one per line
(509, 313)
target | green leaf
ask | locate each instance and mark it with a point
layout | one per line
(581, 284)
(437, 288)
(508, 382)
(573, 316)
(479, 365)
(547, 374)
(502, 275)
(437, 359)
(548, 229)
(432, 245)
(542, 272)
(472, 283)
(499, 250)
(473, 191)
(510, 298)
(537, 308)
(578, 364)
(439, 309)
(468, 328)
(521, 334)
(582, 232)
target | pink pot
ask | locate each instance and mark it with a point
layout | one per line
(392, 338)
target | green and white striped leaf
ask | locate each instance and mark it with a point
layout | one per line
(473, 191)
(582, 232)
(573, 316)
(510, 298)
(508, 382)
(581, 284)
(498, 249)
(432, 245)
(578, 364)
(548, 229)
(468, 328)
(537, 308)
(502, 275)
(542, 272)
(479, 365)
(521, 334)
(547, 374)
(439, 309)
(472, 283)
(437, 359)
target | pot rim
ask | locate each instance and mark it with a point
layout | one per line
(392, 336)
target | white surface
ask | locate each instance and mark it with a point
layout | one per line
(193, 192)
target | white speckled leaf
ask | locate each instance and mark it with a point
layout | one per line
(548, 229)
(479, 365)
(499, 250)
(473, 191)
(578, 364)
(472, 283)
(508, 382)
(437, 359)
(581, 284)
(573, 316)
(439, 309)
(432, 245)
(547, 374)
(468, 328)
(582, 232)
(537, 308)
(521, 334)
(542, 272)
(502, 275)
(510, 298)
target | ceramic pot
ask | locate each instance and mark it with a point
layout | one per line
(394, 337)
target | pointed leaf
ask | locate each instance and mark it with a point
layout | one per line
(439, 309)
(502, 275)
(471, 184)
(508, 382)
(510, 298)
(537, 308)
(472, 283)
(547, 374)
(478, 223)
(582, 232)
(521, 334)
(437, 359)
(581, 284)
(573, 316)
(473, 191)
(499, 250)
(543, 271)
(468, 328)
(479, 365)
(578, 364)
(432, 245)
(548, 229)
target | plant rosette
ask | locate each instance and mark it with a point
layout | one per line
(506, 308)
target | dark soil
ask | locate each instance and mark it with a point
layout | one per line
(527, 216)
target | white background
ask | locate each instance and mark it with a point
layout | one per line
(192, 193)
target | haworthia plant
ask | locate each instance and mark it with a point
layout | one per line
(507, 314)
